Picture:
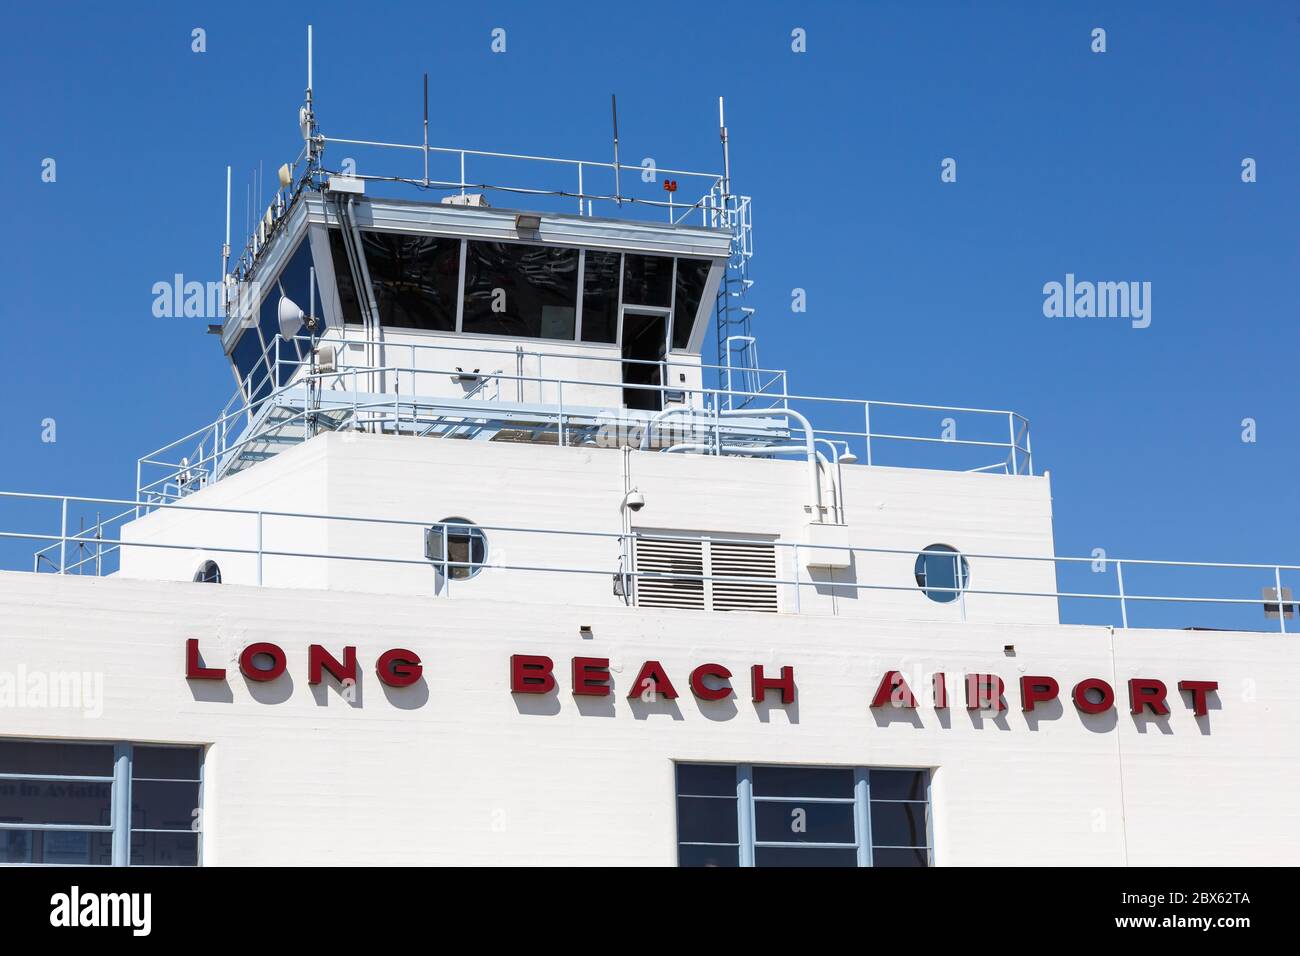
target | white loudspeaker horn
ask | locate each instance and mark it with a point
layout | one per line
(291, 317)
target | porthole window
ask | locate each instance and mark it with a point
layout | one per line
(208, 573)
(942, 573)
(459, 546)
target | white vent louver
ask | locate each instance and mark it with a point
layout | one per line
(697, 560)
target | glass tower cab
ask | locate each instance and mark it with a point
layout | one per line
(421, 312)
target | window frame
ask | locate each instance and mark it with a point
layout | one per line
(861, 801)
(121, 819)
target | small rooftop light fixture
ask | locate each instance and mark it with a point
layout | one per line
(527, 222)
(848, 458)
(585, 631)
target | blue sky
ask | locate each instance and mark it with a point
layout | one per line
(1117, 166)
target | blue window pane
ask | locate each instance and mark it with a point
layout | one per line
(163, 805)
(166, 763)
(164, 849)
(804, 856)
(918, 857)
(57, 847)
(706, 820)
(803, 782)
(600, 296)
(898, 824)
(706, 780)
(787, 822)
(55, 801)
(520, 290)
(83, 760)
(692, 855)
(898, 785)
(937, 573)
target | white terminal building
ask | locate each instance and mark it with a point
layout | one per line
(483, 563)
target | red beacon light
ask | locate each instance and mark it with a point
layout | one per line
(670, 185)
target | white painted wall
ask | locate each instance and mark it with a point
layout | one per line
(457, 770)
(511, 485)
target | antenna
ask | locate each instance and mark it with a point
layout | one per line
(726, 152)
(613, 104)
(225, 249)
(309, 63)
(426, 131)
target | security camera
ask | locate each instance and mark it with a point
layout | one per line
(635, 501)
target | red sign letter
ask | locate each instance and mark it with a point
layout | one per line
(1036, 690)
(762, 684)
(1145, 692)
(702, 690)
(251, 671)
(531, 674)
(591, 676)
(652, 678)
(893, 692)
(1081, 700)
(983, 690)
(194, 669)
(399, 667)
(319, 659)
(1199, 689)
(940, 690)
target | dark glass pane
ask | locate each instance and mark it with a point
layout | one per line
(293, 281)
(803, 856)
(169, 763)
(246, 356)
(85, 760)
(164, 849)
(706, 779)
(163, 805)
(647, 280)
(898, 824)
(692, 855)
(348, 301)
(937, 575)
(898, 785)
(706, 820)
(900, 857)
(209, 572)
(520, 290)
(55, 801)
(415, 279)
(803, 782)
(788, 822)
(600, 297)
(691, 276)
(57, 847)
(463, 550)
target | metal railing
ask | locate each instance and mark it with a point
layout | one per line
(389, 398)
(98, 550)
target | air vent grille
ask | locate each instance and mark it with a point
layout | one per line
(688, 566)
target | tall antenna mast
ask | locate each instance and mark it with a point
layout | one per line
(426, 131)
(225, 249)
(726, 151)
(618, 194)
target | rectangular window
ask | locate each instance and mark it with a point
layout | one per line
(99, 804)
(600, 296)
(347, 287)
(756, 815)
(415, 279)
(648, 280)
(520, 290)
